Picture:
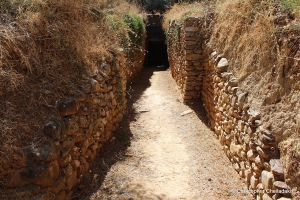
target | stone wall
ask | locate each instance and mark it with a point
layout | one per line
(51, 167)
(136, 63)
(251, 148)
(186, 45)
(246, 139)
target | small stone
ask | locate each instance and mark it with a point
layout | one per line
(233, 82)
(46, 196)
(83, 122)
(241, 98)
(71, 125)
(95, 85)
(193, 56)
(59, 185)
(209, 179)
(281, 185)
(72, 180)
(251, 155)
(191, 29)
(262, 153)
(64, 161)
(248, 175)
(53, 129)
(42, 174)
(68, 107)
(266, 137)
(259, 161)
(75, 164)
(61, 195)
(46, 152)
(266, 197)
(84, 146)
(276, 167)
(222, 65)
(253, 182)
(267, 179)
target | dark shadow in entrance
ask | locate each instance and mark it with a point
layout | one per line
(155, 43)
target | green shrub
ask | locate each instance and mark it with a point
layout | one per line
(137, 28)
(117, 24)
(291, 5)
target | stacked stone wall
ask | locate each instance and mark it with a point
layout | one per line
(186, 45)
(69, 142)
(251, 148)
(135, 62)
(249, 144)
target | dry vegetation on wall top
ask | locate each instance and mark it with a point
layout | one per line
(261, 41)
(181, 11)
(47, 48)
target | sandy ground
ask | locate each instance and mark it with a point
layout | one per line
(160, 154)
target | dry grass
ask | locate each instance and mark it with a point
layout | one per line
(245, 31)
(47, 48)
(181, 11)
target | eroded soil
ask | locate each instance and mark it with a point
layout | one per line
(160, 154)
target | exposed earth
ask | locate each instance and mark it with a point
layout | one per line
(162, 150)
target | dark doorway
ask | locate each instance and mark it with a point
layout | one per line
(155, 42)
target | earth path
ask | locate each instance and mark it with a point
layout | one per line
(160, 154)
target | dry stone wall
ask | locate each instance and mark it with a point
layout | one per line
(71, 140)
(249, 144)
(186, 45)
(135, 60)
(251, 148)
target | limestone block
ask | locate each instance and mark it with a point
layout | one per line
(54, 129)
(266, 137)
(233, 82)
(262, 152)
(45, 152)
(266, 197)
(259, 161)
(84, 146)
(267, 179)
(222, 65)
(254, 115)
(241, 97)
(41, 174)
(45, 196)
(67, 107)
(276, 167)
(193, 56)
(75, 164)
(64, 161)
(71, 180)
(280, 185)
(253, 182)
(95, 85)
(191, 29)
(59, 185)
(251, 155)
(61, 196)
(71, 125)
(248, 175)
(83, 122)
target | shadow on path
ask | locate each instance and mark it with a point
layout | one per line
(198, 107)
(116, 150)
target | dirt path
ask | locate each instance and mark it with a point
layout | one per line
(159, 154)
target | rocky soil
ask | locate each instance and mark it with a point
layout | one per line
(163, 150)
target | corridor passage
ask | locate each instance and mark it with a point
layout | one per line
(163, 150)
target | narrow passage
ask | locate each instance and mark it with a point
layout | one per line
(169, 157)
